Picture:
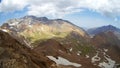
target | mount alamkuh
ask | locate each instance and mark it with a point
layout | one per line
(64, 44)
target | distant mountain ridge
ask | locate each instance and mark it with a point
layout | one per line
(94, 31)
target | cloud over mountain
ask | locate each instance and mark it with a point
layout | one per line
(59, 8)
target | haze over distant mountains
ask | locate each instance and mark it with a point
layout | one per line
(103, 29)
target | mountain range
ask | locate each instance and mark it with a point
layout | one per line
(94, 31)
(39, 42)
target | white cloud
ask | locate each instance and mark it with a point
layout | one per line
(59, 8)
(56, 8)
(12, 5)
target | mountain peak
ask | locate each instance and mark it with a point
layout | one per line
(110, 27)
(29, 16)
(103, 29)
(36, 18)
(33, 27)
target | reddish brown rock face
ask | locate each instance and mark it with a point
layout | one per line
(107, 40)
(16, 55)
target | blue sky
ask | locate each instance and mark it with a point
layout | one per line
(11, 15)
(84, 13)
(90, 19)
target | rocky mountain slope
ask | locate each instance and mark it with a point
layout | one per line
(13, 54)
(109, 42)
(65, 44)
(39, 28)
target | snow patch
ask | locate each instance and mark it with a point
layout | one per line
(71, 49)
(12, 24)
(30, 26)
(87, 56)
(4, 30)
(11, 27)
(110, 63)
(105, 50)
(61, 51)
(95, 58)
(91, 36)
(79, 52)
(63, 61)
(28, 44)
